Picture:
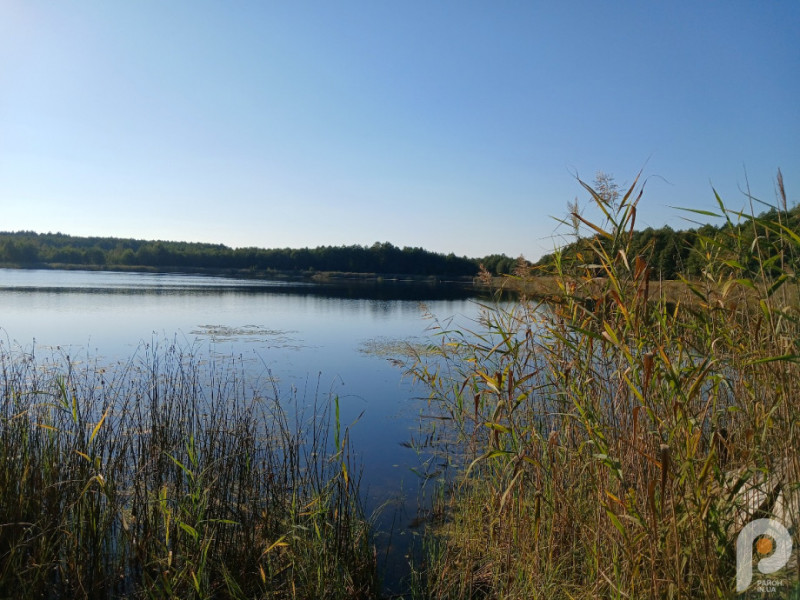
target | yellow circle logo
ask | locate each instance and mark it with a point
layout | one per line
(764, 546)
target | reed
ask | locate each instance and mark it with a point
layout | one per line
(616, 440)
(172, 477)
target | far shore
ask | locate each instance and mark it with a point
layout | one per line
(538, 287)
(309, 275)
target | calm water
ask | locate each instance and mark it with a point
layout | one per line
(304, 335)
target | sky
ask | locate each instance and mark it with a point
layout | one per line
(456, 126)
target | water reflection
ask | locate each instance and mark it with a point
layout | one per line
(311, 340)
(112, 282)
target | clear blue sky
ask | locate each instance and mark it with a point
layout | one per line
(455, 126)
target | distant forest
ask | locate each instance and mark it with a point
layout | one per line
(668, 252)
(27, 248)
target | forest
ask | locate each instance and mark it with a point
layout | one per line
(27, 248)
(667, 252)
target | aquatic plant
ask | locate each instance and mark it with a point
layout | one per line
(172, 477)
(615, 439)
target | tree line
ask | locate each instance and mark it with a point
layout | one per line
(27, 248)
(668, 252)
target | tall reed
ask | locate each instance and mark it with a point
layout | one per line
(172, 477)
(615, 440)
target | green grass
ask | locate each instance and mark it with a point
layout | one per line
(168, 477)
(612, 439)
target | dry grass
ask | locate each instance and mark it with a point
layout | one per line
(548, 288)
(620, 437)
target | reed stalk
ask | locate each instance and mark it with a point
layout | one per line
(172, 477)
(615, 441)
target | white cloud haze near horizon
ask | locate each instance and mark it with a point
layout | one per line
(454, 126)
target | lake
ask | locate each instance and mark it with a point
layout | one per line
(314, 340)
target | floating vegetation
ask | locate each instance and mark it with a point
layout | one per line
(274, 338)
(397, 349)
